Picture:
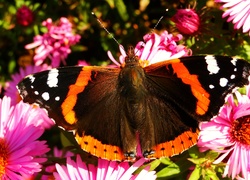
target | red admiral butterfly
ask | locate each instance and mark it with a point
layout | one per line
(162, 103)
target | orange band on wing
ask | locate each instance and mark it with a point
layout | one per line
(71, 98)
(201, 94)
(176, 146)
(96, 148)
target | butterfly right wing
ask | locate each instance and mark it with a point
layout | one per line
(189, 90)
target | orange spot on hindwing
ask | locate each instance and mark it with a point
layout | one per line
(198, 91)
(71, 98)
(176, 146)
(96, 148)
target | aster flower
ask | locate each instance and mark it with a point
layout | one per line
(105, 170)
(49, 169)
(55, 43)
(187, 21)
(20, 150)
(228, 133)
(24, 16)
(238, 12)
(155, 48)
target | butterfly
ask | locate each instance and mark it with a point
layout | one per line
(159, 106)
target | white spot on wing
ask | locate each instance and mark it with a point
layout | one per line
(233, 61)
(223, 82)
(211, 86)
(32, 78)
(36, 92)
(52, 78)
(45, 96)
(57, 98)
(212, 65)
(232, 76)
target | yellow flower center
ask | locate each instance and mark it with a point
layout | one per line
(3, 157)
(240, 130)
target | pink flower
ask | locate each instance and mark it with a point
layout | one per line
(54, 44)
(229, 134)
(105, 170)
(155, 48)
(187, 21)
(238, 12)
(21, 151)
(24, 16)
(82, 63)
(57, 153)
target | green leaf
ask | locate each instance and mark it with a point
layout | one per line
(212, 155)
(68, 139)
(171, 170)
(198, 161)
(12, 9)
(196, 174)
(166, 161)
(111, 3)
(211, 174)
(194, 152)
(122, 10)
(154, 164)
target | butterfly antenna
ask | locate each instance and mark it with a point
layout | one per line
(99, 21)
(152, 31)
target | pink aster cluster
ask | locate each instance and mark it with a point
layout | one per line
(20, 150)
(55, 43)
(104, 170)
(156, 48)
(237, 11)
(229, 134)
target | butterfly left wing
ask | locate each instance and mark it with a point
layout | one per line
(186, 91)
(81, 99)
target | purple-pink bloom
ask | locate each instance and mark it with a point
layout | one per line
(229, 134)
(187, 21)
(55, 43)
(50, 169)
(238, 12)
(155, 48)
(21, 151)
(24, 16)
(110, 170)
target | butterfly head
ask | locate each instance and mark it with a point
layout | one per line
(131, 59)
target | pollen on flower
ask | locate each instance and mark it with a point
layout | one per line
(240, 130)
(3, 157)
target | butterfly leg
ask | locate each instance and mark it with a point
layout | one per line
(128, 140)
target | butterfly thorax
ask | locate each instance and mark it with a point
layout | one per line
(131, 78)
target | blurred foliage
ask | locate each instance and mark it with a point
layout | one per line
(128, 21)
